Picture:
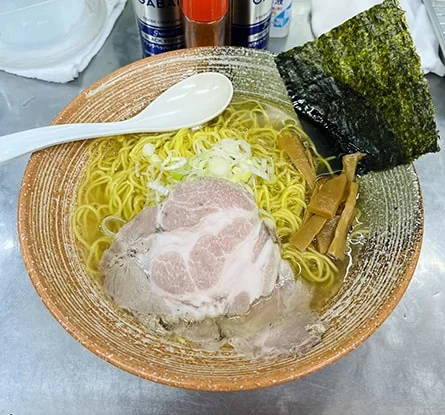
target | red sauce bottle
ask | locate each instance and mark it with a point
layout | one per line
(205, 22)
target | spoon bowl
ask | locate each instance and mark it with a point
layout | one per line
(190, 102)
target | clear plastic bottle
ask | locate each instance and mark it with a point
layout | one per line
(281, 18)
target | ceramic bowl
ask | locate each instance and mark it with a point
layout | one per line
(376, 281)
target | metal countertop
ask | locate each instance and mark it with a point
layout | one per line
(43, 370)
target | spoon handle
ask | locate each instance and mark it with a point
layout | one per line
(18, 144)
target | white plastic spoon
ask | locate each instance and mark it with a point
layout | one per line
(190, 102)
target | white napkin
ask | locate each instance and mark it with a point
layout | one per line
(69, 69)
(327, 14)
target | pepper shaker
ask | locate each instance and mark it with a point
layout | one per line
(160, 26)
(250, 23)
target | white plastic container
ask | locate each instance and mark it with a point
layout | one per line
(37, 22)
(42, 33)
(281, 18)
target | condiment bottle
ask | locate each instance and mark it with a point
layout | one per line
(281, 16)
(160, 25)
(205, 22)
(250, 22)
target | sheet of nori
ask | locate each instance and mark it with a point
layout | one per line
(362, 83)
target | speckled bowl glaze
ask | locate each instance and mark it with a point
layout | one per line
(378, 277)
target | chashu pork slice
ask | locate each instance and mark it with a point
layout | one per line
(204, 252)
(281, 324)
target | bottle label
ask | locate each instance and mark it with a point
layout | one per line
(281, 16)
(160, 25)
(252, 36)
(157, 40)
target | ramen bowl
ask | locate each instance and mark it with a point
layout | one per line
(378, 276)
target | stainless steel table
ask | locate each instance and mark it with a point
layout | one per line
(399, 370)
